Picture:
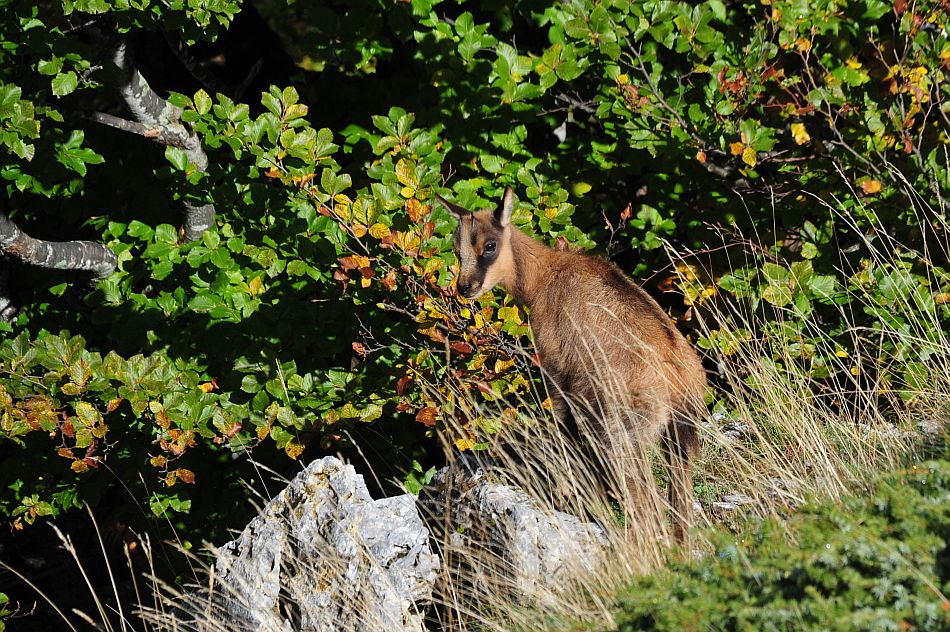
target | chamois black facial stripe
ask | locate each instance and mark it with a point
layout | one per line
(481, 266)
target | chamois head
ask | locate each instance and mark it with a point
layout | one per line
(483, 246)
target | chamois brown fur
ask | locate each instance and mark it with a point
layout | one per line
(607, 350)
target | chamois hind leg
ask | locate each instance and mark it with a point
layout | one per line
(629, 437)
(680, 444)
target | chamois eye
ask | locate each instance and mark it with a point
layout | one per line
(489, 248)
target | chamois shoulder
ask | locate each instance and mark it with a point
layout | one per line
(604, 276)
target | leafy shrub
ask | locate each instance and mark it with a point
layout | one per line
(875, 562)
(795, 150)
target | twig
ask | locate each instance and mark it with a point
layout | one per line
(159, 134)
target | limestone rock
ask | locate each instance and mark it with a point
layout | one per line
(323, 555)
(505, 541)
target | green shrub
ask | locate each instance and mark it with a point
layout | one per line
(878, 561)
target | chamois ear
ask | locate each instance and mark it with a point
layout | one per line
(457, 211)
(506, 208)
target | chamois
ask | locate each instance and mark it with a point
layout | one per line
(607, 350)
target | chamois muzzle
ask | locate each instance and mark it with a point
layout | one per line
(467, 289)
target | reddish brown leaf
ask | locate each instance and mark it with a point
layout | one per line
(462, 347)
(349, 262)
(389, 281)
(627, 212)
(435, 334)
(667, 284)
(416, 209)
(426, 416)
(185, 476)
(113, 404)
(402, 384)
(163, 420)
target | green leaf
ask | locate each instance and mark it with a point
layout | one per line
(202, 102)
(177, 157)
(64, 83)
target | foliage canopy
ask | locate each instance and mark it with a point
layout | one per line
(798, 149)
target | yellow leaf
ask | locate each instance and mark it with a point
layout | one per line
(379, 230)
(407, 192)
(855, 370)
(293, 449)
(255, 287)
(870, 186)
(800, 134)
(736, 148)
(841, 353)
(359, 230)
(748, 156)
(853, 63)
(687, 271)
(465, 443)
(365, 282)
(550, 212)
(503, 365)
(405, 173)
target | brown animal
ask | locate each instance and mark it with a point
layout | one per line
(608, 351)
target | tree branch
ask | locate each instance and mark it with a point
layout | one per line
(8, 308)
(59, 255)
(159, 134)
(153, 112)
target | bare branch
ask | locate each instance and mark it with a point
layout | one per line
(159, 134)
(153, 112)
(8, 308)
(59, 255)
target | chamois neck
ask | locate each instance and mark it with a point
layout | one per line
(531, 260)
